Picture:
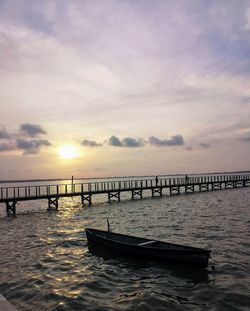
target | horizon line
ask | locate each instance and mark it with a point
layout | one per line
(116, 177)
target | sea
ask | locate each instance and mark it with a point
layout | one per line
(45, 263)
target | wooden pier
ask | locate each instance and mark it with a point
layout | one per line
(113, 189)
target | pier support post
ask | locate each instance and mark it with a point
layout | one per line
(203, 187)
(11, 208)
(239, 183)
(229, 185)
(114, 195)
(137, 193)
(247, 182)
(216, 186)
(53, 203)
(86, 197)
(174, 190)
(156, 190)
(189, 188)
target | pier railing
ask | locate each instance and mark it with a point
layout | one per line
(44, 191)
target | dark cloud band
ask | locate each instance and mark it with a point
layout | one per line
(176, 140)
(90, 143)
(125, 142)
(31, 146)
(205, 145)
(32, 130)
(23, 139)
(6, 147)
(4, 134)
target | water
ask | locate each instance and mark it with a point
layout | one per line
(45, 263)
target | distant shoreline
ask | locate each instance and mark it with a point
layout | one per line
(113, 177)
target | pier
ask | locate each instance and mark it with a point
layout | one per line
(10, 196)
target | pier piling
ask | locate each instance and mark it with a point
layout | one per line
(52, 203)
(11, 208)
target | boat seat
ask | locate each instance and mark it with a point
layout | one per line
(146, 243)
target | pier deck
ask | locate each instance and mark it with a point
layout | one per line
(11, 195)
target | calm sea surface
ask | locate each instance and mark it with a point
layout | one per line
(45, 263)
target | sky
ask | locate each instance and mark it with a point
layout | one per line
(123, 87)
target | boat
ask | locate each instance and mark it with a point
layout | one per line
(146, 249)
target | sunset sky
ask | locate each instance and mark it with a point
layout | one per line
(123, 87)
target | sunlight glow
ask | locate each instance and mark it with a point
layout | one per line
(68, 152)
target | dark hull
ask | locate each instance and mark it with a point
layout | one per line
(129, 246)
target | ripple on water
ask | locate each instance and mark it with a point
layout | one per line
(45, 263)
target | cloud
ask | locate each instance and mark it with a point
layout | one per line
(4, 134)
(205, 145)
(32, 130)
(90, 143)
(114, 141)
(31, 146)
(132, 143)
(176, 140)
(247, 25)
(245, 99)
(6, 147)
(128, 142)
(246, 139)
(16, 142)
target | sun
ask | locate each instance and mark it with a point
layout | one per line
(68, 152)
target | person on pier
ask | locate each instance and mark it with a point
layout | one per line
(156, 180)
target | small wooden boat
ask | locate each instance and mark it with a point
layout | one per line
(136, 247)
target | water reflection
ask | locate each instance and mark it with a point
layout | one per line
(45, 263)
(190, 274)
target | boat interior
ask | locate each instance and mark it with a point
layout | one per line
(132, 240)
